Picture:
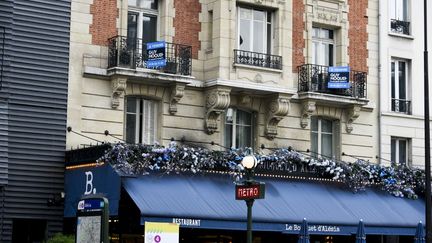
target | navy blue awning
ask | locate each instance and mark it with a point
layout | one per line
(209, 202)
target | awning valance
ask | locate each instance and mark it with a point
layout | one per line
(208, 201)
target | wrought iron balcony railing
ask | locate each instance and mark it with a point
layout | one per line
(132, 53)
(401, 105)
(400, 26)
(257, 59)
(315, 78)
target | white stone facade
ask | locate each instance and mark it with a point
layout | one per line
(406, 123)
(194, 106)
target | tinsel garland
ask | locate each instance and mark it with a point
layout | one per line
(138, 159)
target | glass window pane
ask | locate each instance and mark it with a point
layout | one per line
(259, 37)
(314, 124)
(130, 128)
(326, 126)
(245, 35)
(132, 30)
(314, 144)
(149, 30)
(315, 32)
(326, 54)
(402, 151)
(327, 145)
(131, 105)
(259, 15)
(393, 9)
(245, 14)
(393, 150)
(243, 136)
(149, 4)
(228, 135)
(402, 81)
(244, 118)
(393, 81)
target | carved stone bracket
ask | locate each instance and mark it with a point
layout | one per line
(278, 108)
(352, 114)
(308, 109)
(118, 88)
(177, 92)
(218, 100)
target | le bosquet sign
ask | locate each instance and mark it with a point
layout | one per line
(250, 191)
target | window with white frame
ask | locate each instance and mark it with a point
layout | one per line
(142, 22)
(255, 31)
(399, 16)
(399, 86)
(323, 51)
(238, 128)
(324, 137)
(399, 150)
(141, 120)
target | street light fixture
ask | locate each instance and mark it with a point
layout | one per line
(249, 162)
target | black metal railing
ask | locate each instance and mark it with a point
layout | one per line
(401, 105)
(257, 59)
(132, 53)
(315, 78)
(400, 26)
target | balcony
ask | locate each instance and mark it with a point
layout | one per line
(401, 106)
(132, 53)
(315, 78)
(257, 59)
(400, 26)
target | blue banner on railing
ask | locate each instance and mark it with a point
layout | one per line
(156, 54)
(339, 77)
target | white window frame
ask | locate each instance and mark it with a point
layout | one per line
(321, 42)
(140, 121)
(397, 152)
(145, 12)
(265, 28)
(397, 62)
(335, 148)
(399, 10)
(232, 112)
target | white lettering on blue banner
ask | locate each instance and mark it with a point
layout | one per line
(339, 77)
(187, 222)
(155, 45)
(314, 228)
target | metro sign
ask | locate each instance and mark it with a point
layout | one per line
(252, 191)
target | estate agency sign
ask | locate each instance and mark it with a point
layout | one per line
(156, 56)
(339, 77)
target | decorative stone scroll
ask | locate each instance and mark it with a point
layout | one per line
(278, 108)
(218, 100)
(177, 92)
(352, 114)
(118, 88)
(309, 107)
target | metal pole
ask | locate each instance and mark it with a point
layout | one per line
(249, 204)
(427, 132)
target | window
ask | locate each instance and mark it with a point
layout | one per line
(142, 23)
(399, 22)
(399, 86)
(254, 30)
(238, 128)
(141, 120)
(399, 150)
(324, 137)
(322, 47)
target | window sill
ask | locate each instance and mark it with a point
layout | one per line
(410, 37)
(236, 65)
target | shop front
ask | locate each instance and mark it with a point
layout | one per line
(204, 206)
